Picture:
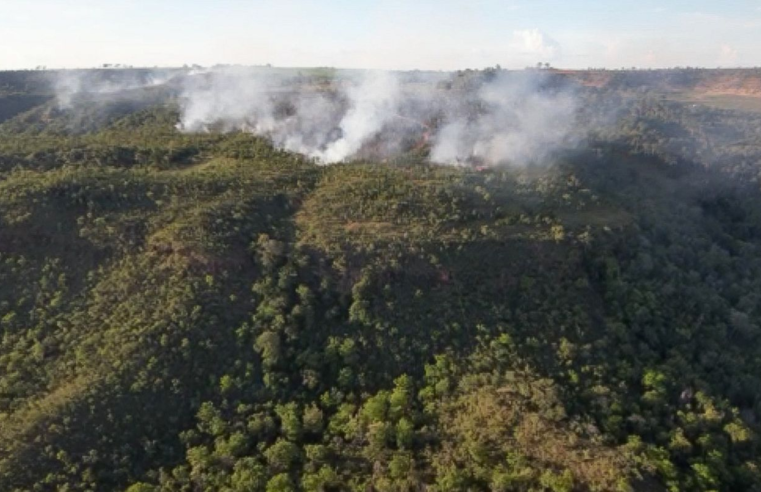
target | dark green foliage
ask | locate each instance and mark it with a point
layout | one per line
(205, 312)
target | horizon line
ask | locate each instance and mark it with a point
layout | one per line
(120, 66)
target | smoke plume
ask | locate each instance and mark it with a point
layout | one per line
(487, 118)
(507, 118)
(373, 103)
(510, 120)
(69, 84)
(329, 124)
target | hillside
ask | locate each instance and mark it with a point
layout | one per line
(205, 311)
(736, 89)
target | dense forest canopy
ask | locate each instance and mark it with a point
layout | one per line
(208, 310)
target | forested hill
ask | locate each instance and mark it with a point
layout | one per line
(203, 311)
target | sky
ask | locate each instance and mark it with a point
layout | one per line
(383, 34)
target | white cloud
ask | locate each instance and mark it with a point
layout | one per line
(699, 20)
(535, 43)
(728, 54)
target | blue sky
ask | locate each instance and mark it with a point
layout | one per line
(399, 34)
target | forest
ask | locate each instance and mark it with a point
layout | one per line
(212, 311)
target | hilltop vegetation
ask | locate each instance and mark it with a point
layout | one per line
(205, 312)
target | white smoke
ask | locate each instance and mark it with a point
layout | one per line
(507, 118)
(68, 84)
(373, 103)
(227, 98)
(516, 120)
(327, 125)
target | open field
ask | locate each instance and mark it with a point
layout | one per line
(732, 102)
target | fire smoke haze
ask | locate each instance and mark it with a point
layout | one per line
(68, 84)
(508, 119)
(373, 113)
(327, 126)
